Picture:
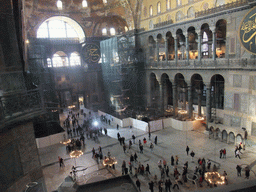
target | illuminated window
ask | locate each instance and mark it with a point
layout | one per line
(75, 59)
(49, 62)
(60, 27)
(168, 6)
(158, 7)
(105, 1)
(104, 31)
(179, 3)
(59, 59)
(59, 4)
(151, 10)
(126, 28)
(205, 46)
(112, 31)
(84, 4)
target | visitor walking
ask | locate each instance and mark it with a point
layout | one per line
(187, 150)
(238, 168)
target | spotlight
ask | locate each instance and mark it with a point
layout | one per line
(95, 123)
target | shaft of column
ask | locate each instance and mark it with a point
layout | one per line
(214, 45)
(175, 100)
(161, 102)
(166, 50)
(199, 103)
(157, 51)
(187, 48)
(208, 104)
(148, 91)
(190, 102)
(176, 50)
(199, 47)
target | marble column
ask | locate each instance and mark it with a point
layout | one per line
(199, 46)
(166, 50)
(176, 50)
(165, 96)
(161, 103)
(190, 101)
(187, 48)
(148, 91)
(199, 102)
(214, 45)
(208, 103)
(157, 51)
(175, 99)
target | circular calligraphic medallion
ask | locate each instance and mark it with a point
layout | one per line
(91, 53)
(247, 31)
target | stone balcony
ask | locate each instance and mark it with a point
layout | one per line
(222, 63)
(19, 107)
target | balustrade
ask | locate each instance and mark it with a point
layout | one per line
(18, 104)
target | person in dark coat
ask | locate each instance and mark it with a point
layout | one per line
(138, 183)
(151, 186)
(238, 168)
(156, 140)
(187, 150)
(172, 160)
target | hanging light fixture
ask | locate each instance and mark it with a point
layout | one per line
(84, 4)
(59, 4)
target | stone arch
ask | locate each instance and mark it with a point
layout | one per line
(224, 136)
(60, 59)
(239, 138)
(193, 45)
(161, 45)
(206, 41)
(191, 12)
(152, 48)
(232, 137)
(43, 27)
(218, 134)
(167, 90)
(217, 87)
(170, 46)
(181, 44)
(198, 95)
(221, 28)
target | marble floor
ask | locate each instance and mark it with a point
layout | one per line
(170, 142)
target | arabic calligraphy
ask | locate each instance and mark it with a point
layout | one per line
(248, 31)
(91, 53)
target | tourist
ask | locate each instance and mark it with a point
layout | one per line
(138, 184)
(187, 150)
(238, 168)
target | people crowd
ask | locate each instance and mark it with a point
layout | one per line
(172, 175)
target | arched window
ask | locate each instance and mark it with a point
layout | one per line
(191, 12)
(105, 1)
(150, 10)
(59, 59)
(205, 46)
(168, 4)
(158, 7)
(75, 59)
(49, 62)
(126, 29)
(151, 25)
(179, 16)
(112, 31)
(179, 3)
(60, 27)
(104, 31)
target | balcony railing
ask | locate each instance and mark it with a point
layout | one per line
(204, 63)
(163, 23)
(18, 104)
(224, 7)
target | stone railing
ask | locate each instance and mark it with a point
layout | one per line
(163, 23)
(18, 104)
(224, 7)
(204, 63)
